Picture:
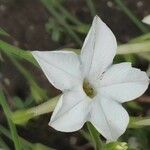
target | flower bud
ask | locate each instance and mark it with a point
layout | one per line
(21, 116)
(116, 146)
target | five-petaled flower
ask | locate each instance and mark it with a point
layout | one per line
(93, 88)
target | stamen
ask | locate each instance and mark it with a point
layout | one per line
(88, 89)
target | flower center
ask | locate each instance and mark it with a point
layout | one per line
(88, 89)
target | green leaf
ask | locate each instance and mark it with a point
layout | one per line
(56, 34)
(3, 32)
(37, 92)
(61, 20)
(18, 102)
(91, 6)
(11, 125)
(64, 12)
(3, 145)
(39, 146)
(134, 105)
(83, 28)
(16, 52)
(26, 144)
(144, 37)
(95, 136)
(131, 16)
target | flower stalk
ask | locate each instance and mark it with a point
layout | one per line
(45, 107)
(23, 116)
(95, 136)
(134, 48)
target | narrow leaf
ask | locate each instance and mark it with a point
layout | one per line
(11, 125)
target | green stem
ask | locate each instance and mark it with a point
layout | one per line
(143, 122)
(133, 18)
(24, 142)
(37, 92)
(3, 144)
(91, 7)
(45, 107)
(134, 48)
(138, 122)
(141, 38)
(3, 32)
(95, 137)
(11, 125)
(17, 52)
(61, 20)
(72, 18)
(22, 116)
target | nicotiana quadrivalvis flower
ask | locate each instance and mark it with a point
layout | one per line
(146, 20)
(93, 88)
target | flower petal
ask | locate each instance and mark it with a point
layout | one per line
(109, 118)
(98, 49)
(71, 111)
(123, 82)
(146, 20)
(62, 68)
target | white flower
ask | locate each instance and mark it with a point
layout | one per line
(146, 20)
(93, 89)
